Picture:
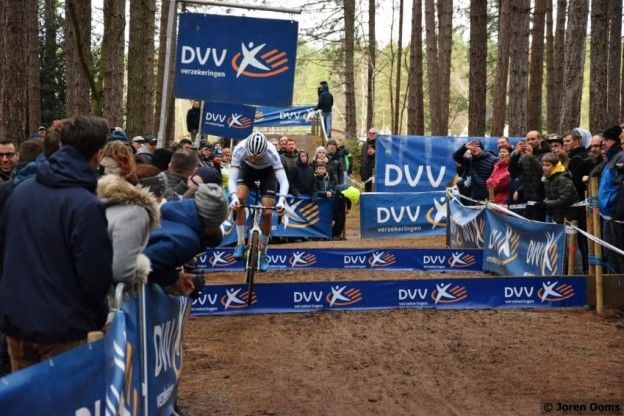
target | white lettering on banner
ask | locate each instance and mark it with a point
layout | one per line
(307, 296)
(167, 344)
(536, 253)
(190, 54)
(289, 115)
(394, 175)
(434, 259)
(413, 294)
(220, 118)
(354, 259)
(83, 411)
(513, 291)
(202, 258)
(211, 299)
(277, 259)
(164, 396)
(384, 214)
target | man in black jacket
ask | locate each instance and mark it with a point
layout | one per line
(192, 120)
(325, 104)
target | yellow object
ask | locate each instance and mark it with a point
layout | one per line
(352, 193)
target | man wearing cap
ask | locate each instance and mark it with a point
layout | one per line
(205, 154)
(187, 228)
(610, 185)
(146, 150)
(137, 142)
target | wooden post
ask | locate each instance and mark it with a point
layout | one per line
(597, 248)
(572, 247)
(491, 194)
(590, 244)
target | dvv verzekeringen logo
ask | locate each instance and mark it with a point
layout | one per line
(258, 62)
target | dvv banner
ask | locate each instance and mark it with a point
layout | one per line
(228, 120)
(517, 247)
(234, 59)
(302, 218)
(449, 293)
(418, 163)
(290, 116)
(466, 225)
(407, 214)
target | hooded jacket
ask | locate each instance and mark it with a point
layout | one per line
(560, 194)
(57, 258)
(303, 179)
(499, 180)
(608, 189)
(176, 241)
(326, 100)
(131, 213)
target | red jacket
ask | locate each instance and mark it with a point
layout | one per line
(499, 180)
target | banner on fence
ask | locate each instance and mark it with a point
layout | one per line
(387, 259)
(303, 218)
(466, 225)
(406, 214)
(290, 116)
(233, 59)
(227, 120)
(518, 247)
(418, 163)
(361, 295)
(105, 377)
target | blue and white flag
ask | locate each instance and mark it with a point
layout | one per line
(519, 247)
(234, 59)
(406, 214)
(290, 116)
(466, 225)
(227, 120)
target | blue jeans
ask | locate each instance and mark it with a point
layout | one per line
(327, 119)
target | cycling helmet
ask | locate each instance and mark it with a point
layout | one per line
(256, 144)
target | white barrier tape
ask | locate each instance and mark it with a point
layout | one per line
(597, 240)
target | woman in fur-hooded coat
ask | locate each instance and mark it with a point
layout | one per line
(131, 213)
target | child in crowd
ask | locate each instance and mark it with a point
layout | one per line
(559, 189)
(324, 186)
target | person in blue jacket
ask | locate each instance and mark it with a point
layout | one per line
(57, 253)
(611, 177)
(187, 228)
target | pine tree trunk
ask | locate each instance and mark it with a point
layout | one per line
(499, 102)
(34, 90)
(77, 55)
(478, 68)
(554, 94)
(372, 61)
(550, 58)
(519, 67)
(397, 98)
(431, 40)
(14, 60)
(160, 68)
(445, 43)
(598, 75)
(112, 64)
(140, 97)
(350, 110)
(536, 76)
(615, 61)
(574, 63)
(415, 106)
(52, 74)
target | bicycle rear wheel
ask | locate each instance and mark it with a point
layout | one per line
(252, 264)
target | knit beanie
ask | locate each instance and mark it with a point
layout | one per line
(612, 133)
(211, 204)
(320, 149)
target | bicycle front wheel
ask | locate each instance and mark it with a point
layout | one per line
(252, 264)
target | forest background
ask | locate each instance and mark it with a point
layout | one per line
(429, 67)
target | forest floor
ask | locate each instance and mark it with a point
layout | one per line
(398, 362)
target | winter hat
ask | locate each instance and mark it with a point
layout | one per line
(161, 158)
(612, 133)
(211, 204)
(332, 141)
(320, 149)
(209, 174)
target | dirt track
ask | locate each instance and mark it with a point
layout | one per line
(399, 362)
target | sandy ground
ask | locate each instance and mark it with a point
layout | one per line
(398, 362)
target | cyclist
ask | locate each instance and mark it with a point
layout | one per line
(254, 160)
